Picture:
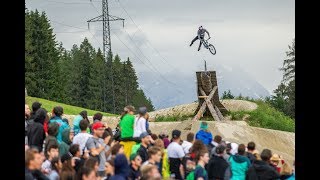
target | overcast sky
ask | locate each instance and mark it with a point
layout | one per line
(252, 34)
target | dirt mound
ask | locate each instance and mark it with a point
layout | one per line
(239, 105)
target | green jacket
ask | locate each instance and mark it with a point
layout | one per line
(65, 143)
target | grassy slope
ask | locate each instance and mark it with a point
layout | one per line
(68, 109)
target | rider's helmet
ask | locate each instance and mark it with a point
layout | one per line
(200, 27)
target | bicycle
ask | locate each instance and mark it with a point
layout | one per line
(209, 46)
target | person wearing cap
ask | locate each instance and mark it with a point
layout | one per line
(218, 167)
(135, 164)
(203, 134)
(175, 154)
(97, 147)
(143, 150)
(140, 122)
(126, 129)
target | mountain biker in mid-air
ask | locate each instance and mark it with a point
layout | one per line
(201, 33)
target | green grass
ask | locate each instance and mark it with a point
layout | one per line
(68, 109)
(266, 116)
(171, 118)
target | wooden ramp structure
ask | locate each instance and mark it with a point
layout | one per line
(209, 104)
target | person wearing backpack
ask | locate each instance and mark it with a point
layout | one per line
(56, 117)
(200, 172)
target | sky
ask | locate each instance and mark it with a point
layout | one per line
(250, 34)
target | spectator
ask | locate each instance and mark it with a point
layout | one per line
(56, 166)
(35, 106)
(140, 122)
(175, 153)
(251, 147)
(53, 151)
(276, 161)
(117, 149)
(74, 150)
(56, 117)
(202, 159)
(149, 172)
(126, 129)
(154, 154)
(35, 133)
(96, 118)
(26, 118)
(92, 163)
(106, 136)
(154, 137)
(216, 142)
(218, 167)
(262, 169)
(51, 139)
(82, 137)
(204, 135)
(239, 163)
(147, 116)
(234, 148)
(186, 145)
(197, 146)
(68, 164)
(164, 163)
(143, 150)
(287, 172)
(228, 151)
(76, 121)
(33, 161)
(86, 173)
(121, 167)
(97, 147)
(135, 164)
(109, 169)
(65, 143)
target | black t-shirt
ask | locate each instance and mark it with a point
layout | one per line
(133, 174)
(143, 152)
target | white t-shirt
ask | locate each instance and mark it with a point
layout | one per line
(81, 139)
(139, 126)
(186, 145)
(175, 150)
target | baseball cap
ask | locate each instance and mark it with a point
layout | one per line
(204, 125)
(143, 135)
(97, 125)
(142, 110)
(176, 133)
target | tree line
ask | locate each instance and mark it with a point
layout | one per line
(82, 76)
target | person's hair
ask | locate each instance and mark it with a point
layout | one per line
(90, 162)
(200, 153)
(53, 129)
(83, 124)
(30, 155)
(58, 111)
(286, 169)
(266, 154)
(159, 143)
(35, 106)
(126, 110)
(153, 150)
(190, 137)
(220, 149)
(52, 146)
(251, 146)
(40, 115)
(84, 114)
(106, 134)
(97, 116)
(83, 171)
(217, 139)
(55, 163)
(241, 149)
(229, 147)
(74, 148)
(198, 146)
(257, 156)
(154, 137)
(115, 149)
(145, 170)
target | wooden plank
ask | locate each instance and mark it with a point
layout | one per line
(219, 113)
(203, 97)
(201, 111)
(204, 104)
(212, 110)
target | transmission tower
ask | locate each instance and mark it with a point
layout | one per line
(106, 18)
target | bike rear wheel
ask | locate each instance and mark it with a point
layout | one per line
(212, 49)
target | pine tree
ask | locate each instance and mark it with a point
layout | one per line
(119, 84)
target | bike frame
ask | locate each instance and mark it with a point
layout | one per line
(205, 42)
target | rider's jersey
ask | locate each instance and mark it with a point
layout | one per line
(201, 32)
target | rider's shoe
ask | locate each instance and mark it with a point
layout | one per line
(198, 49)
(190, 45)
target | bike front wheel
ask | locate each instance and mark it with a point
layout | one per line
(212, 49)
